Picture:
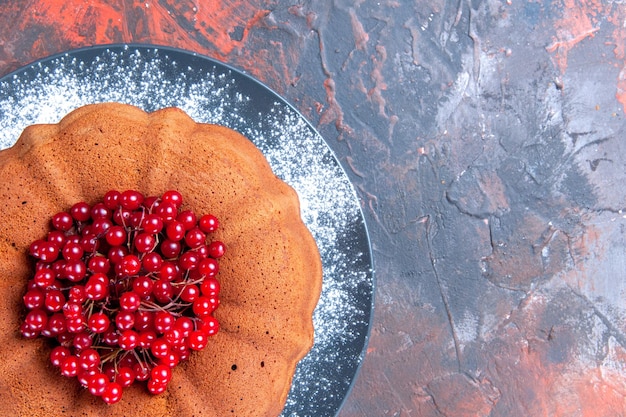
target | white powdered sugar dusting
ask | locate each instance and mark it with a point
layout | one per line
(153, 78)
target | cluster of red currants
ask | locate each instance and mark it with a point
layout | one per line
(127, 288)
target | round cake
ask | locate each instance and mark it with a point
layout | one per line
(270, 275)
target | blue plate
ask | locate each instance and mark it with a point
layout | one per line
(211, 92)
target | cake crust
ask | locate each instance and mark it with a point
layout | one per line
(270, 278)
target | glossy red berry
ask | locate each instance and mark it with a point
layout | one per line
(111, 199)
(173, 197)
(131, 199)
(216, 249)
(208, 223)
(62, 221)
(81, 212)
(116, 235)
(194, 237)
(145, 242)
(112, 393)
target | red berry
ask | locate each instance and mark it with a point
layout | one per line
(166, 211)
(36, 320)
(125, 376)
(210, 287)
(100, 225)
(131, 199)
(208, 267)
(90, 243)
(152, 224)
(204, 306)
(74, 270)
(187, 218)
(175, 231)
(46, 251)
(216, 249)
(111, 199)
(144, 320)
(97, 287)
(81, 211)
(208, 223)
(144, 242)
(161, 373)
(111, 336)
(189, 293)
(112, 393)
(146, 338)
(142, 371)
(75, 325)
(34, 298)
(116, 235)
(116, 254)
(129, 340)
(72, 309)
(125, 320)
(44, 277)
(173, 197)
(171, 359)
(197, 340)
(56, 325)
(69, 367)
(163, 291)
(156, 387)
(169, 271)
(185, 325)
(143, 285)
(88, 359)
(58, 355)
(209, 325)
(163, 321)
(97, 384)
(188, 260)
(152, 262)
(57, 237)
(77, 293)
(160, 348)
(100, 211)
(121, 217)
(170, 249)
(98, 263)
(130, 301)
(175, 337)
(98, 322)
(54, 300)
(130, 265)
(195, 237)
(62, 221)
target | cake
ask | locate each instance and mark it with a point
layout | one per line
(270, 276)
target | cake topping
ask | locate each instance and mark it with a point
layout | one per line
(127, 288)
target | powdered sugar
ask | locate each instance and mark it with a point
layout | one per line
(153, 78)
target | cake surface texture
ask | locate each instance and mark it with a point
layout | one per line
(270, 276)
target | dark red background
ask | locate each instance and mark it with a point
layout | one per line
(486, 144)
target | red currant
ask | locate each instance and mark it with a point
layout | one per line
(216, 249)
(131, 199)
(62, 221)
(173, 197)
(116, 235)
(112, 393)
(81, 212)
(208, 223)
(98, 322)
(144, 242)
